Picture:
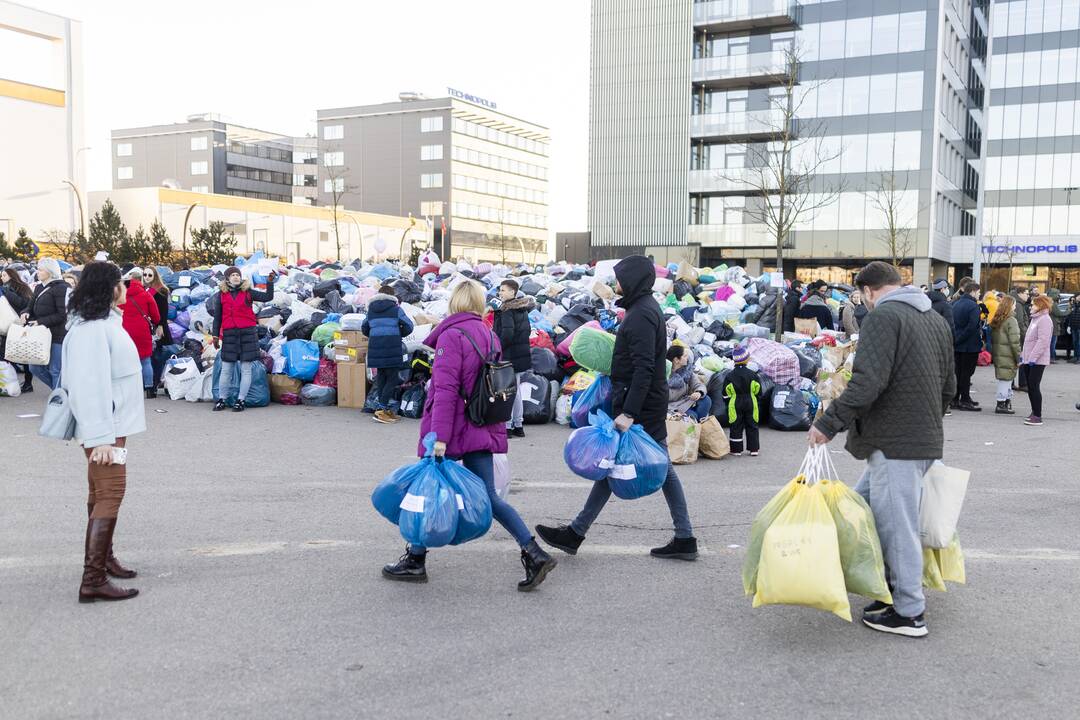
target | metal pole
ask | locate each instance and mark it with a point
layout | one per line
(183, 234)
(78, 198)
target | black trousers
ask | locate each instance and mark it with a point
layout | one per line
(1022, 377)
(747, 425)
(966, 362)
(1035, 376)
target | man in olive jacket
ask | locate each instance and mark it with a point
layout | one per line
(900, 388)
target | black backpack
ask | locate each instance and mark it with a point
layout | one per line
(492, 398)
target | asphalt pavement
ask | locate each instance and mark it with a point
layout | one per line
(258, 554)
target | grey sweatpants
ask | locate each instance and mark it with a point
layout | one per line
(893, 489)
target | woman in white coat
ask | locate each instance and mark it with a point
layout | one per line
(103, 379)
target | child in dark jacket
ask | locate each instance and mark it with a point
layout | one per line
(742, 390)
(386, 325)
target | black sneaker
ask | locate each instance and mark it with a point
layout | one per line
(562, 538)
(239, 406)
(875, 608)
(677, 549)
(219, 406)
(409, 568)
(518, 432)
(968, 406)
(892, 622)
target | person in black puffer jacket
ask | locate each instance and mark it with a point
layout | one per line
(48, 307)
(939, 302)
(792, 301)
(18, 295)
(513, 329)
(236, 332)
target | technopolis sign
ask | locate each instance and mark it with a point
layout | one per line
(470, 98)
(1028, 249)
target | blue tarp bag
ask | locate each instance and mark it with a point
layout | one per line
(595, 397)
(640, 465)
(590, 451)
(301, 359)
(258, 394)
(473, 503)
(390, 492)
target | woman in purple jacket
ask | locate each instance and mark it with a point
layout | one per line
(457, 365)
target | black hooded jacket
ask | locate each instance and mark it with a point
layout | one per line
(940, 304)
(513, 328)
(638, 364)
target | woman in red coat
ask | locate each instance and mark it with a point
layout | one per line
(141, 316)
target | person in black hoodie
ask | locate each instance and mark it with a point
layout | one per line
(815, 307)
(513, 328)
(639, 395)
(18, 295)
(792, 301)
(939, 301)
(48, 307)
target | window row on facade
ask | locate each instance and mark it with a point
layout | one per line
(1057, 66)
(860, 95)
(847, 211)
(499, 215)
(1029, 17)
(1033, 172)
(1033, 120)
(496, 162)
(859, 37)
(490, 134)
(1031, 220)
(491, 187)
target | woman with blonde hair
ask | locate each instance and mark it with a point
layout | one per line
(1036, 354)
(1005, 330)
(463, 343)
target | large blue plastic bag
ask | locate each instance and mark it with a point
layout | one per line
(595, 397)
(391, 491)
(301, 359)
(640, 465)
(473, 503)
(429, 511)
(258, 395)
(590, 451)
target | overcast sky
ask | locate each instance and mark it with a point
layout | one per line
(270, 64)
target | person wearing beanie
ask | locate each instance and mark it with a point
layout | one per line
(513, 330)
(742, 388)
(48, 307)
(939, 300)
(236, 334)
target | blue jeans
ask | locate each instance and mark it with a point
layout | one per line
(50, 374)
(673, 494)
(482, 465)
(225, 380)
(701, 408)
(147, 373)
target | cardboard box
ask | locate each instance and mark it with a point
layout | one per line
(349, 356)
(350, 338)
(352, 385)
(281, 384)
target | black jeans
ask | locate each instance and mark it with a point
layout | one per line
(1035, 376)
(966, 363)
(386, 381)
(747, 425)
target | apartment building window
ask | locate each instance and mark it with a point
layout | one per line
(123, 149)
(124, 173)
(431, 180)
(333, 132)
(431, 152)
(335, 185)
(334, 159)
(432, 208)
(199, 167)
(431, 124)
(200, 188)
(198, 143)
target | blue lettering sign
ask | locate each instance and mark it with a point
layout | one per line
(1026, 249)
(470, 98)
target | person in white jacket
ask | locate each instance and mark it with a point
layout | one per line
(103, 379)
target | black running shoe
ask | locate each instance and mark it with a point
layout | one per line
(892, 622)
(875, 608)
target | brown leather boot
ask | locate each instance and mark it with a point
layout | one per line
(112, 566)
(95, 583)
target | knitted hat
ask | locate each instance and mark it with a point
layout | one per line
(51, 266)
(941, 284)
(230, 270)
(741, 356)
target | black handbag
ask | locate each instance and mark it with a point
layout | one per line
(492, 398)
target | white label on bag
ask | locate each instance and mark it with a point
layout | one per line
(413, 503)
(623, 472)
(185, 281)
(526, 390)
(605, 464)
(460, 502)
(780, 398)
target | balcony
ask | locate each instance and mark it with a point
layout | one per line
(733, 15)
(730, 236)
(739, 71)
(740, 181)
(737, 126)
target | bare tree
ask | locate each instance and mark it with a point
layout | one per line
(783, 173)
(338, 186)
(72, 246)
(888, 197)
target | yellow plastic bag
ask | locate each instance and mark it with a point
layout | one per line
(800, 557)
(944, 565)
(762, 521)
(856, 534)
(931, 570)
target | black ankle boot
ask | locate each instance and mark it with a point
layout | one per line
(410, 568)
(28, 386)
(151, 393)
(561, 538)
(677, 549)
(537, 564)
(219, 406)
(239, 406)
(1003, 408)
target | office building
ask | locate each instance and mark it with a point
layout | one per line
(291, 231)
(688, 105)
(479, 174)
(206, 154)
(42, 147)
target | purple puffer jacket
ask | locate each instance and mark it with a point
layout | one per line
(454, 373)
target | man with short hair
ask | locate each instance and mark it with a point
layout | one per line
(893, 406)
(967, 342)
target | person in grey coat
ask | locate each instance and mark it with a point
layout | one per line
(892, 409)
(102, 376)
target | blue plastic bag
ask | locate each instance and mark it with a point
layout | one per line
(301, 359)
(429, 511)
(640, 465)
(595, 397)
(391, 491)
(473, 503)
(258, 395)
(590, 451)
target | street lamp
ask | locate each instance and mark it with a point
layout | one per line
(78, 199)
(183, 234)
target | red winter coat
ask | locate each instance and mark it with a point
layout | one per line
(139, 308)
